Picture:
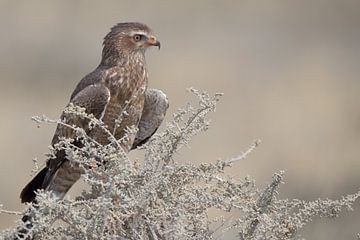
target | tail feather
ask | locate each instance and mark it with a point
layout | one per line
(28, 193)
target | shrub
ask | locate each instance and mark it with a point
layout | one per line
(159, 198)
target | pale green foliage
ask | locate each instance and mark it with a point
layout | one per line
(159, 198)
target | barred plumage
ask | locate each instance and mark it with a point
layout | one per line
(117, 85)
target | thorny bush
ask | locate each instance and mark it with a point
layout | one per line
(160, 198)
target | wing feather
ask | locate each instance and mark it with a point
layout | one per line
(155, 106)
(94, 98)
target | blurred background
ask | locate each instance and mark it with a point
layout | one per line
(289, 71)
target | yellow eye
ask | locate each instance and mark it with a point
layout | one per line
(138, 37)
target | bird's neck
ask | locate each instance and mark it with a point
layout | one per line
(132, 63)
(118, 57)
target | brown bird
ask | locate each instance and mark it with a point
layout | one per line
(116, 89)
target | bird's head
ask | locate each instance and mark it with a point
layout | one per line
(130, 38)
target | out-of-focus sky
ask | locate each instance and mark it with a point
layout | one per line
(289, 71)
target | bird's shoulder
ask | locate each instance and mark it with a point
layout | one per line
(101, 75)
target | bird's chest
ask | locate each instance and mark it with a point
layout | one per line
(128, 90)
(127, 95)
(124, 82)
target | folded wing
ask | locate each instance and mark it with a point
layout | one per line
(155, 106)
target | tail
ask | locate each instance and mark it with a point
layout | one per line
(28, 193)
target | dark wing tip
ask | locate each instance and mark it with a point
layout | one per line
(28, 193)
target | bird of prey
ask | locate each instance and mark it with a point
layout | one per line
(117, 86)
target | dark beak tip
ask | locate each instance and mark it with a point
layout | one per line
(157, 43)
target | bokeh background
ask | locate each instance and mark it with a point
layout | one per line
(289, 70)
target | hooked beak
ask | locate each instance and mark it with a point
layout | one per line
(152, 41)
